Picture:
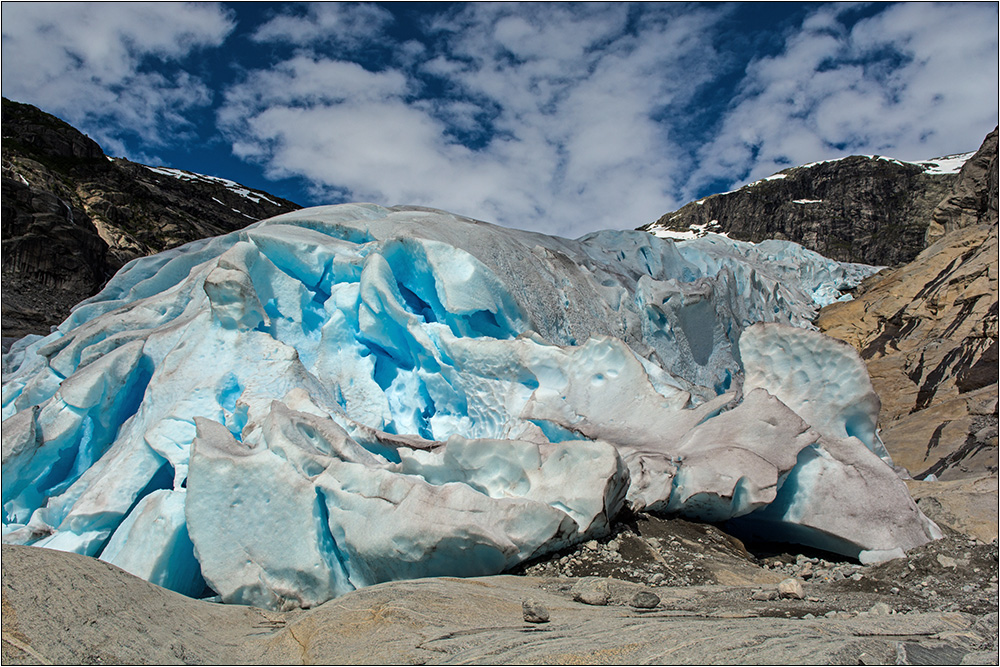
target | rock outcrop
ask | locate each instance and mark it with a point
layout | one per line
(71, 216)
(869, 209)
(974, 198)
(928, 332)
(936, 607)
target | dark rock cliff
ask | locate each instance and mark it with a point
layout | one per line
(873, 210)
(71, 216)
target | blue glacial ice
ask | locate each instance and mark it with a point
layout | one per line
(347, 395)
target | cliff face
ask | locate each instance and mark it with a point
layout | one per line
(873, 210)
(973, 199)
(928, 333)
(71, 216)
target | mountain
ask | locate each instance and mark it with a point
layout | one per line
(869, 209)
(72, 217)
(928, 333)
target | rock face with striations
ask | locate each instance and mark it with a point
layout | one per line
(869, 209)
(928, 333)
(973, 200)
(72, 216)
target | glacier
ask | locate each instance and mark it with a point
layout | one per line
(353, 394)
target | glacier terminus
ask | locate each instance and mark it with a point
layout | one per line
(347, 395)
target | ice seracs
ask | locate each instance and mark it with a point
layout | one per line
(353, 394)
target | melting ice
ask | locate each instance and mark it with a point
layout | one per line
(353, 394)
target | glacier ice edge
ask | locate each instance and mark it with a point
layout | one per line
(413, 393)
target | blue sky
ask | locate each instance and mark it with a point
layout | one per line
(562, 118)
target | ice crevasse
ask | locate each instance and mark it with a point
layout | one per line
(352, 394)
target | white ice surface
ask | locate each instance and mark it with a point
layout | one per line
(352, 394)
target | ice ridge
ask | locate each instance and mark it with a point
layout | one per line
(352, 394)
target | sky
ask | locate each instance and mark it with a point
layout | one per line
(560, 118)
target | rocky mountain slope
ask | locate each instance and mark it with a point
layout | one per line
(868, 209)
(71, 216)
(928, 332)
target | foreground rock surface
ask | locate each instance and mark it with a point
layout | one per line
(66, 608)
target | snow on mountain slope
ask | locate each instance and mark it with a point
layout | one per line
(253, 195)
(346, 395)
(948, 164)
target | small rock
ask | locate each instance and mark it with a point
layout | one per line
(592, 545)
(856, 576)
(947, 561)
(591, 592)
(534, 611)
(809, 616)
(645, 600)
(880, 609)
(614, 545)
(791, 588)
(656, 578)
(763, 596)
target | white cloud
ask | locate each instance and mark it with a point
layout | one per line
(562, 118)
(345, 25)
(915, 81)
(83, 62)
(548, 120)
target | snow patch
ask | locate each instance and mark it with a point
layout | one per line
(693, 231)
(233, 186)
(949, 164)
